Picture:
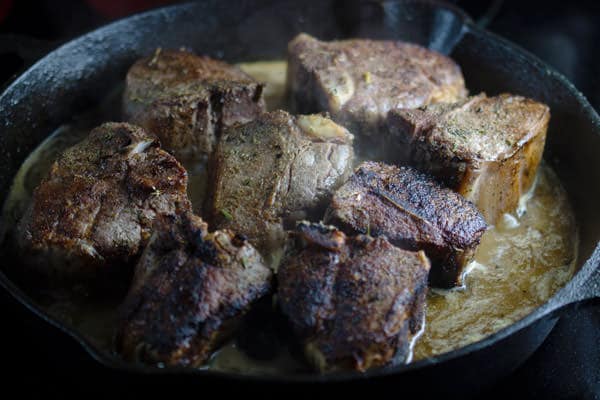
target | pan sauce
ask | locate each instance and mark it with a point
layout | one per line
(520, 263)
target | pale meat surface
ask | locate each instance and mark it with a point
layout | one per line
(359, 80)
(186, 100)
(275, 170)
(486, 148)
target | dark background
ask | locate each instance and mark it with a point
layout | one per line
(564, 34)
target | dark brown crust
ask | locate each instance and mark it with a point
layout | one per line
(94, 210)
(486, 148)
(190, 289)
(186, 99)
(355, 305)
(270, 172)
(359, 81)
(413, 212)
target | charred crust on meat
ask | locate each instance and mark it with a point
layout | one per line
(320, 235)
(414, 212)
(71, 223)
(190, 290)
(355, 305)
(239, 239)
(203, 249)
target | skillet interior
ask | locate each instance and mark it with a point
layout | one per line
(76, 76)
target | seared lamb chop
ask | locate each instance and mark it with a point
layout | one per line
(359, 81)
(355, 302)
(186, 100)
(276, 169)
(94, 211)
(189, 291)
(413, 212)
(486, 148)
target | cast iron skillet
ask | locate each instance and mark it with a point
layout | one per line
(76, 76)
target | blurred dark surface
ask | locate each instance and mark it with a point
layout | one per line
(567, 366)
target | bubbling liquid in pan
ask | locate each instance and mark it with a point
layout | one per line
(520, 264)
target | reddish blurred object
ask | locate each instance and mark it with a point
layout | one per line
(5, 6)
(116, 9)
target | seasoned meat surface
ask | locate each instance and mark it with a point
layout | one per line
(277, 169)
(94, 211)
(190, 289)
(186, 100)
(413, 212)
(359, 81)
(486, 148)
(354, 302)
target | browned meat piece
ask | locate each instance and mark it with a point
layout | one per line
(189, 291)
(413, 212)
(186, 100)
(354, 302)
(94, 211)
(359, 81)
(276, 169)
(486, 148)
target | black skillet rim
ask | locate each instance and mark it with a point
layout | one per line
(570, 293)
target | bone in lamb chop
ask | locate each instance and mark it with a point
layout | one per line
(413, 212)
(486, 148)
(93, 212)
(186, 100)
(189, 291)
(354, 302)
(359, 81)
(275, 170)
